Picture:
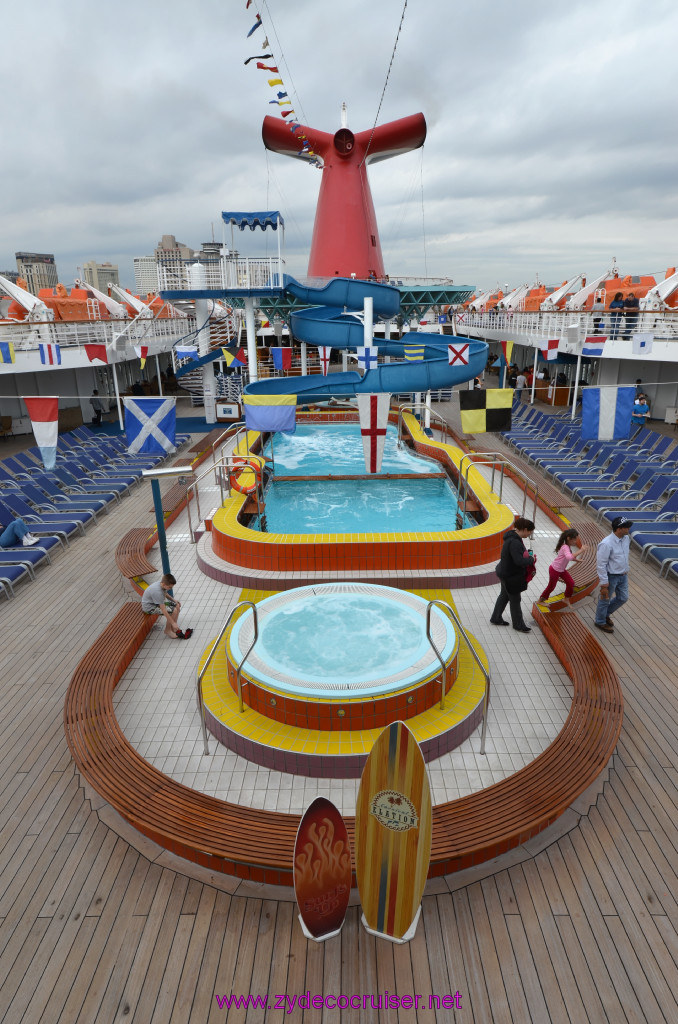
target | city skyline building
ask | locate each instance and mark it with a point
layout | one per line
(100, 275)
(38, 269)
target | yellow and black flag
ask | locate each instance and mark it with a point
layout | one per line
(485, 411)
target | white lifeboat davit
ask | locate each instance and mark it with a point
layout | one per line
(550, 304)
(37, 310)
(657, 296)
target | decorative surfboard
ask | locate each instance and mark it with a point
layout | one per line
(393, 835)
(322, 870)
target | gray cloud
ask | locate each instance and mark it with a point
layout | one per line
(550, 143)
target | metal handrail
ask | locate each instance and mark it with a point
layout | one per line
(225, 462)
(420, 405)
(494, 458)
(201, 703)
(486, 700)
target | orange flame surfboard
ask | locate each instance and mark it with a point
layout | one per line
(393, 834)
(322, 870)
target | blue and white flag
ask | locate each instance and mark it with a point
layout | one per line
(606, 413)
(50, 353)
(642, 343)
(271, 412)
(186, 351)
(367, 356)
(151, 425)
(593, 346)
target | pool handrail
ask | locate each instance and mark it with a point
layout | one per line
(494, 459)
(486, 699)
(225, 462)
(427, 408)
(201, 702)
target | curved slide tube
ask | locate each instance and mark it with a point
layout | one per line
(335, 323)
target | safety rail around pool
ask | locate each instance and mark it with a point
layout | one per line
(493, 459)
(229, 463)
(201, 674)
(405, 406)
(486, 700)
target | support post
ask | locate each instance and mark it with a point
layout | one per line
(157, 372)
(251, 331)
(534, 373)
(160, 524)
(304, 359)
(117, 398)
(576, 386)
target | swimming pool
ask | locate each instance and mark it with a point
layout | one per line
(317, 449)
(369, 505)
(361, 506)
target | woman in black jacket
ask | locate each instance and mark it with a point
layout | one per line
(512, 571)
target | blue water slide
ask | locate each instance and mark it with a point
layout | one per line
(334, 322)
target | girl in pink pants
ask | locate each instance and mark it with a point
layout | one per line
(558, 567)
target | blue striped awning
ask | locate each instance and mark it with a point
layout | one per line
(259, 218)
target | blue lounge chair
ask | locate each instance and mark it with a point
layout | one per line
(41, 503)
(12, 507)
(650, 509)
(11, 574)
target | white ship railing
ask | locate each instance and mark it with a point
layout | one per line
(159, 333)
(663, 325)
(228, 273)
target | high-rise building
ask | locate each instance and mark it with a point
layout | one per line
(172, 256)
(100, 275)
(38, 270)
(145, 274)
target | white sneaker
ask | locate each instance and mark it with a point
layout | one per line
(29, 540)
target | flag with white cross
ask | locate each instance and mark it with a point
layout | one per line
(151, 425)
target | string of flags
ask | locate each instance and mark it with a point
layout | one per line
(282, 100)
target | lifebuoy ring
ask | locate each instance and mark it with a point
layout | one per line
(245, 475)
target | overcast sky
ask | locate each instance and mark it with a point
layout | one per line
(551, 147)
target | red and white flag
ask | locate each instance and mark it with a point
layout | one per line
(458, 354)
(96, 353)
(324, 351)
(550, 349)
(44, 414)
(373, 412)
(141, 353)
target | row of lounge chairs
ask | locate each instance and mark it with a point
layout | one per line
(92, 474)
(637, 478)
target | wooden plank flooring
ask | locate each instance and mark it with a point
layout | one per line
(92, 930)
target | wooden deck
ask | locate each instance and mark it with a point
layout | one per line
(94, 928)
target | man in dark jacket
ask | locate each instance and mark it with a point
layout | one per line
(512, 571)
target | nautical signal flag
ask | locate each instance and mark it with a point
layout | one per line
(373, 411)
(142, 354)
(44, 414)
(485, 411)
(507, 350)
(606, 413)
(367, 356)
(549, 349)
(6, 352)
(413, 353)
(97, 353)
(458, 354)
(271, 412)
(282, 358)
(185, 351)
(151, 425)
(642, 343)
(234, 359)
(594, 347)
(324, 351)
(50, 354)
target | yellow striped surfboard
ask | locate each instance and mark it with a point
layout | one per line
(393, 833)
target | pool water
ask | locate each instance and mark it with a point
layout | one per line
(338, 637)
(371, 505)
(361, 506)
(317, 449)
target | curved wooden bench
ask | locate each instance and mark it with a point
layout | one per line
(130, 554)
(258, 845)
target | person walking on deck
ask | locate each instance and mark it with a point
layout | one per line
(558, 567)
(515, 566)
(613, 572)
